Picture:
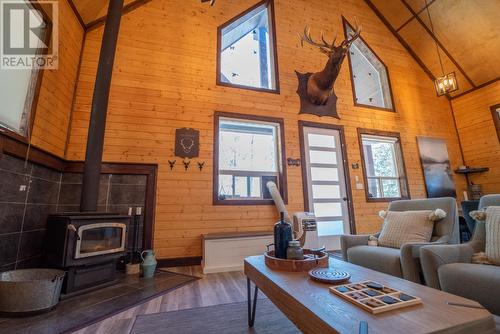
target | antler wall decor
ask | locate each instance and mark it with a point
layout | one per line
(212, 2)
(316, 89)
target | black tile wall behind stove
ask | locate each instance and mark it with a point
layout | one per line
(117, 193)
(30, 192)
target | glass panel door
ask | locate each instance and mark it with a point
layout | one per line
(326, 187)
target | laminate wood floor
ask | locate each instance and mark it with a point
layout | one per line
(212, 289)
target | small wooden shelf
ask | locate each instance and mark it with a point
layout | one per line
(472, 170)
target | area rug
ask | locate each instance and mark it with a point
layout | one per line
(219, 319)
(81, 311)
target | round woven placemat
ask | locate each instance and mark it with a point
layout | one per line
(328, 275)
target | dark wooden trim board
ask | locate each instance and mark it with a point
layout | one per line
(219, 82)
(350, 198)
(413, 16)
(180, 262)
(126, 9)
(77, 14)
(403, 180)
(476, 88)
(283, 172)
(496, 118)
(19, 148)
(393, 109)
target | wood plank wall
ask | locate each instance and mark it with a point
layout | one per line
(53, 111)
(480, 143)
(164, 79)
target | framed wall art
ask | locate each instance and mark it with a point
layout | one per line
(436, 166)
(187, 143)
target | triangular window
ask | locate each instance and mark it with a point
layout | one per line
(247, 51)
(369, 75)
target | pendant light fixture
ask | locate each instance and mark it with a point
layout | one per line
(446, 83)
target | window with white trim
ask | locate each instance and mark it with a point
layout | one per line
(249, 156)
(383, 167)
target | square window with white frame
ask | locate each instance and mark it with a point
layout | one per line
(384, 170)
(248, 155)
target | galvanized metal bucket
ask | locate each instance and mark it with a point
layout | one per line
(28, 291)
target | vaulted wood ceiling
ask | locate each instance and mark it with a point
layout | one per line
(466, 31)
(93, 10)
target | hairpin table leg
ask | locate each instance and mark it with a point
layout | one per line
(251, 306)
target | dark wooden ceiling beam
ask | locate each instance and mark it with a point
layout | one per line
(400, 39)
(77, 14)
(439, 43)
(413, 16)
(126, 9)
(476, 88)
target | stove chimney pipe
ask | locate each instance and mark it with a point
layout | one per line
(97, 126)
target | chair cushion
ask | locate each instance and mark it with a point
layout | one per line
(474, 281)
(383, 259)
(406, 227)
(493, 234)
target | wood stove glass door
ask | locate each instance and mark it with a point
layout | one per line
(99, 239)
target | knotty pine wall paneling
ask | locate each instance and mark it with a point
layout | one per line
(53, 111)
(478, 135)
(164, 78)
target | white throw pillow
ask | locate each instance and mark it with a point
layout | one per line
(408, 227)
(493, 234)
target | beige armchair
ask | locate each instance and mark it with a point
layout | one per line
(403, 262)
(449, 267)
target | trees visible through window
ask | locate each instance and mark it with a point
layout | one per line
(369, 75)
(383, 167)
(249, 156)
(246, 50)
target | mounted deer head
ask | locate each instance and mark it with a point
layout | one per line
(320, 84)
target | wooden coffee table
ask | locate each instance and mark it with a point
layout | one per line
(313, 309)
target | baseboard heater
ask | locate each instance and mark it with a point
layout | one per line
(223, 252)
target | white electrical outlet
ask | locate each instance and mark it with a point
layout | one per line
(359, 186)
(22, 187)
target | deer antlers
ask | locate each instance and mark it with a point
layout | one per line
(212, 2)
(324, 46)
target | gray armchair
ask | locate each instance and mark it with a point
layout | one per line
(403, 262)
(449, 267)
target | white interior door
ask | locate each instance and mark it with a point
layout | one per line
(326, 186)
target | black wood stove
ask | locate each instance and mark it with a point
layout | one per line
(87, 245)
